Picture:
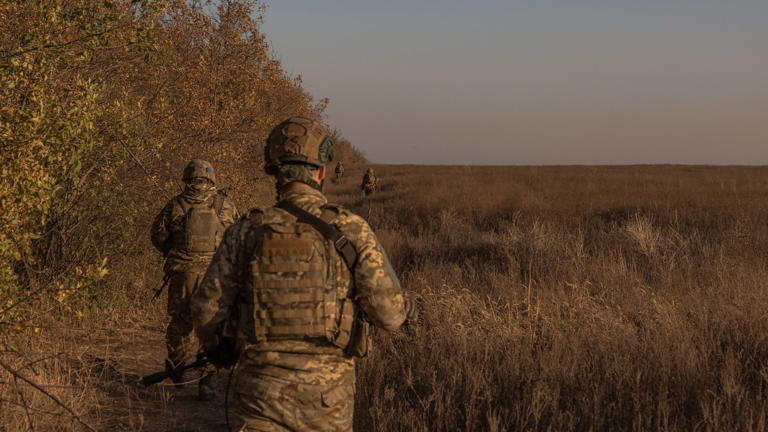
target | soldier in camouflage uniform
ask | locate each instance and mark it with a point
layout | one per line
(287, 301)
(187, 231)
(339, 170)
(369, 182)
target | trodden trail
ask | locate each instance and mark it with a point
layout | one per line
(121, 358)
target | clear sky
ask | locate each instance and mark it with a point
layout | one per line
(536, 81)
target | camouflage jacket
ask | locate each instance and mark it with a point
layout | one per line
(369, 181)
(170, 222)
(216, 302)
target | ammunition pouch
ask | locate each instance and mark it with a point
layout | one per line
(354, 335)
(361, 341)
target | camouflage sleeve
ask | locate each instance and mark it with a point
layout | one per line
(378, 290)
(229, 213)
(213, 302)
(159, 233)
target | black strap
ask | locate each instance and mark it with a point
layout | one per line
(340, 242)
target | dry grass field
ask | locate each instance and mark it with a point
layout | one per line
(555, 298)
(573, 298)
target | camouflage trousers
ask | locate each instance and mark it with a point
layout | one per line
(180, 338)
(310, 395)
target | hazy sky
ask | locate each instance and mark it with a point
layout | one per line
(537, 81)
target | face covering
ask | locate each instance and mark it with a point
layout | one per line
(199, 189)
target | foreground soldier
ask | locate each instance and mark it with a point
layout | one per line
(285, 289)
(187, 232)
(339, 170)
(369, 182)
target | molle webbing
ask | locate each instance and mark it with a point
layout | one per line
(347, 252)
(340, 242)
(296, 286)
(292, 295)
(202, 229)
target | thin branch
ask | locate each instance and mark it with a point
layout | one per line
(23, 403)
(29, 297)
(34, 362)
(50, 413)
(49, 395)
(146, 171)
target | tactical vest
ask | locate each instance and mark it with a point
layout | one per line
(300, 286)
(202, 231)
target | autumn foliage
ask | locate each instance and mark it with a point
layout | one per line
(102, 104)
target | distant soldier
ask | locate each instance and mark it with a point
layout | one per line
(339, 170)
(286, 291)
(187, 231)
(370, 182)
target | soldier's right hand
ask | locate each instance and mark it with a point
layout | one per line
(224, 355)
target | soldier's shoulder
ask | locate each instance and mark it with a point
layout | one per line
(267, 215)
(174, 202)
(242, 226)
(344, 218)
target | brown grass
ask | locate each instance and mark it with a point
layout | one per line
(572, 298)
(556, 298)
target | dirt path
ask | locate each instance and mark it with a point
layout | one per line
(128, 405)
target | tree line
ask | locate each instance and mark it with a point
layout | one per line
(102, 102)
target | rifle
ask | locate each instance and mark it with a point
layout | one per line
(156, 377)
(159, 291)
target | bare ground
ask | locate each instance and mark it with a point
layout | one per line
(128, 355)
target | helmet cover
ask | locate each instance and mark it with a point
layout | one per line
(297, 140)
(199, 168)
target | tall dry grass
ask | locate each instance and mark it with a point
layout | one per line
(572, 298)
(556, 298)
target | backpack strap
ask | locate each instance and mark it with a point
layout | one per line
(183, 204)
(331, 233)
(218, 204)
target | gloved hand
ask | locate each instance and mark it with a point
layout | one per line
(224, 355)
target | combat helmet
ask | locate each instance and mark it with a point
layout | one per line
(199, 168)
(297, 140)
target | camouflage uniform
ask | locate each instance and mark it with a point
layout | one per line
(185, 269)
(369, 182)
(339, 170)
(295, 383)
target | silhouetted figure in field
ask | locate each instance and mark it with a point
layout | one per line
(370, 182)
(339, 170)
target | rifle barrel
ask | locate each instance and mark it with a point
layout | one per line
(156, 377)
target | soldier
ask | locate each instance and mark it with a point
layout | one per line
(187, 231)
(339, 170)
(369, 182)
(286, 291)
